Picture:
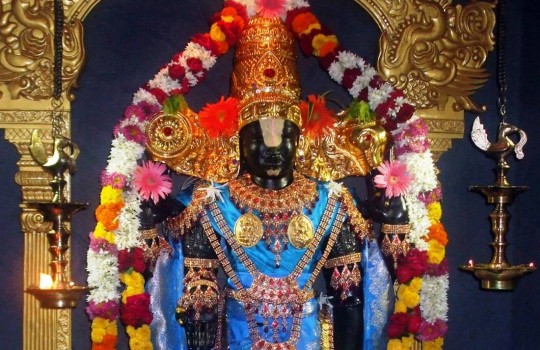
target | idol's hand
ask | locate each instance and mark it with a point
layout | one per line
(383, 209)
(201, 333)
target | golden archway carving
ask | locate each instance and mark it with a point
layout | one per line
(432, 49)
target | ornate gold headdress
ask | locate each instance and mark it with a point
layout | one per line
(265, 81)
(265, 78)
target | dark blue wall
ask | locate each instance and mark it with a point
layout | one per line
(127, 41)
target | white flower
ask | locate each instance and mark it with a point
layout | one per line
(127, 234)
(163, 81)
(213, 192)
(349, 60)
(418, 217)
(143, 95)
(250, 6)
(102, 276)
(379, 95)
(197, 51)
(334, 188)
(124, 156)
(295, 4)
(434, 304)
(336, 71)
(422, 169)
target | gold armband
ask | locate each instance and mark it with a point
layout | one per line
(396, 229)
(201, 263)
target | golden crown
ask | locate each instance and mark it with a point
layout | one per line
(265, 77)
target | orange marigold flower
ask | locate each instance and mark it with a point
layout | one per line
(316, 116)
(221, 118)
(304, 21)
(228, 12)
(437, 232)
(107, 214)
(320, 40)
(327, 47)
(221, 46)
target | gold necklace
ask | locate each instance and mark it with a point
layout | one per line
(276, 216)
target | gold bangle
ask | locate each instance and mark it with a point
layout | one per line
(343, 260)
(395, 229)
(201, 263)
(207, 283)
(149, 234)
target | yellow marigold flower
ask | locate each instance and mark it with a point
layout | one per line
(435, 252)
(434, 212)
(433, 344)
(101, 327)
(311, 27)
(400, 307)
(320, 40)
(407, 342)
(408, 297)
(101, 232)
(111, 195)
(134, 282)
(395, 344)
(216, 34)
(139, 338)
(416, 284)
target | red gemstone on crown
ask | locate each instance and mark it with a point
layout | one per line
(269, 73)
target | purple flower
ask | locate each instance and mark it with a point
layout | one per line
(436, 270)
(135, 111)
(107, 310)
(100, 244)
(131, 132)
(148, 109)
(431, 331)
(115, 180)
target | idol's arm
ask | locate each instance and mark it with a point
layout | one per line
(197, 309)
(343, 283)
(392, 214)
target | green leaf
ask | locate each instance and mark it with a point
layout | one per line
(174, 104)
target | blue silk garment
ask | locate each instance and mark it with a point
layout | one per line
(166, 286)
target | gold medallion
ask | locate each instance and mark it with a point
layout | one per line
(300, 231)
(248, 230)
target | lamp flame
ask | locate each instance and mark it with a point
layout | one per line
(45, 281)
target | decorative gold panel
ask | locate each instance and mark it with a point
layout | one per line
(432, 49)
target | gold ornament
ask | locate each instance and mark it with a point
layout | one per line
(248, 230)
(300, 231)
(265, 78)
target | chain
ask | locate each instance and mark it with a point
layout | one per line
(57, 101)
(501, 61)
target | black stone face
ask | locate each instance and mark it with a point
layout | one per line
(270, 164)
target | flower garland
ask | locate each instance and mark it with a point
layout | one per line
(115, 244)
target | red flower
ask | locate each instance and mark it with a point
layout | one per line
(349, 76)
(397, 324)
(316, 116)
(414, 264)
(135, 312)
(194, 64)
(405, 113)
(159, 94)
(291, 15)
(176, 71)
(133, 258)
(205, 41)
(221, 118)
(231, 30)
(415, 320)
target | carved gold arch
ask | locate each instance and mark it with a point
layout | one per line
(431, 48)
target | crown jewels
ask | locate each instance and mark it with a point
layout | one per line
(265, 78)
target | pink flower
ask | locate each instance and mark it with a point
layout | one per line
(431, 331)
(108, 310)
(135, 111)
(149, 181)
(270, 8)
(115, 180)
(131, 132)
(148, 109)
(394, 177)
